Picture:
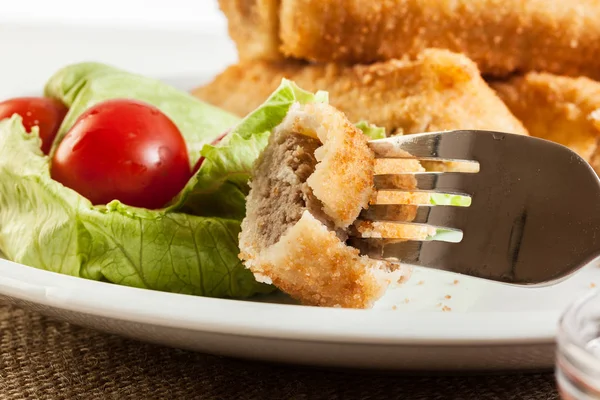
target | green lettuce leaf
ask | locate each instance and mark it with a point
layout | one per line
(446, 235)
(221, 184)
(189, 247)
(80, 86)
(46, 225)
(443, 199)
(374, 132)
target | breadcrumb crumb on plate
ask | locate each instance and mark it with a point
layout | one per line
(423, 291)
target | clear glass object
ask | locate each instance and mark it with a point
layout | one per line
(578, 350)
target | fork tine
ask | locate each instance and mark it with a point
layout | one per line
(534, 217)
(406, 251)
(393, 212)
(451, 145)
(402, 231)
(442, 182)
(418, 253)
(442, 216)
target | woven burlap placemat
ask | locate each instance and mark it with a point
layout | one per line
(46, 359)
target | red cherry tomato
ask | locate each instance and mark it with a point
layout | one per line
(43, 112)
(214, 142)
(125, 150)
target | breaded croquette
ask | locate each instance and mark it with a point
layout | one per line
(439, 90)
(309, 184)
(501, 36)
(253, 24)
(557, 108)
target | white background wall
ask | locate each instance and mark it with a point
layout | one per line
(162, 38)
(167, 14)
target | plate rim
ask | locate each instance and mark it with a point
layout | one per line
(276, 321)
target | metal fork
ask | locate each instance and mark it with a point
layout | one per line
(534, 216)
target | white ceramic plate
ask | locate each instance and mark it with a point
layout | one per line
(486, 326)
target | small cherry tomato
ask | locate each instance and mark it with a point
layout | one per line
(214, 142)
(126, 150)
(43, 112)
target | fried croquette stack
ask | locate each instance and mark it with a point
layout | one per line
(413, 66)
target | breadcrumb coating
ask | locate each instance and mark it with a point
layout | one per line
(254, 26)
(391, 230)
(557, 108)
(311, 264)
(501, 36)
(343, 177)
(437, 91)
